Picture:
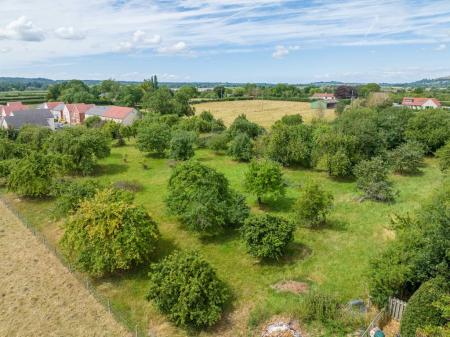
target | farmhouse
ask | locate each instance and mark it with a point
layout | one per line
(118, 114)
(324, 96)
(56, 108)
(75, 113)
(6, 110)
(421, 103)
(19, 118)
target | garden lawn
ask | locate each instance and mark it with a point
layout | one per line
(334, 258)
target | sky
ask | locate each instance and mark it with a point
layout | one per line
(226, 40)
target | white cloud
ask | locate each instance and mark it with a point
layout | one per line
(174, 48)
(69, 33)
(280, 52)
(140, 37)
(441, 47)
(125, 47)
(22, 29)
(5, 50)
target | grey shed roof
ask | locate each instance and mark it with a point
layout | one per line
(98, 110)
(29, 116)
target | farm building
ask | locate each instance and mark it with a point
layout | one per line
(323, 104)
(6, 110)
(17, 119)
(324, 96)
(118, 114)
(75, 113)
(421, 103)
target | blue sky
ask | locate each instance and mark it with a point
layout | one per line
(226, 40)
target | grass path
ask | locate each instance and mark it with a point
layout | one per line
(39, 296)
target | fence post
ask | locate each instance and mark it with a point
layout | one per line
(136, 331)
(109, 306)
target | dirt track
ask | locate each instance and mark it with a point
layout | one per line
(39, 296)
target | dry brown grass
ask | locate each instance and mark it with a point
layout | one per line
(39, 296)
(263, 112)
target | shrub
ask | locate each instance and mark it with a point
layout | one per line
(313, 205)
(187, 289)
(319, 306)
(267, 236)
(202, 199)
(33, 175)
(153, 137)
(93, 122)
(218, 142)
(242, 125)
(429, 127)
(372, 180)
(182, 145)
(108, 233)
(264, 178)
(443, 154)
(241, 148)
(407, 158)
(33, 136)
(292, 119)
(71, 194)
(420, 311)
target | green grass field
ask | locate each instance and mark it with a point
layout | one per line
(333, 258)
(26, 97)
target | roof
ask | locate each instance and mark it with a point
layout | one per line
(29, 116)
(322, 95)
(12, 107)
(59, 107)
(80, 107)
(418, 101)
(118, 112)
(98, 110)
(52, 105)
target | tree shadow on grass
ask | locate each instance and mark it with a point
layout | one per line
(282, 204)
(107, 169)
(295, 251)
(331, 224)
(226, 236)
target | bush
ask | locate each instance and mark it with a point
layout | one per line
(420, 310)
(372, 180)
(313, 205)
(264, 178)
(443, 154)
(202, 199)
(93, 122)
(267, 236)
(71, 194)
(218, 142)
(429, 127)
(108, 233)
(187, 289)
(33, 175)
(33, 136)
(407, 158)
(292, 119)
(322, 307)
(182, 145)
(242, 125)
(241, 148)
(153, 137)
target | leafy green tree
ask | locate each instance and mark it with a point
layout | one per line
(392, 122)
(189, 90)
(33, 175)
(267, 236)
(429, 127)
(218, 142)
(242, 125)
(241, 147)
(313, 205)
(33, 136)
(108, 234)
(93, 122)
(71, 193)
(202, 199)
(407, 158)
(153, 137)
(372, 180)
(10, 149)
(80, 148)
(443, 154)
(220, 91)
(182, 145)
(290, 144)
(292, 119)
(264, 178)
(186, 288)
(159, 101)
(420, 310)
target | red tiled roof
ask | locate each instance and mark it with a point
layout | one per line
(12, 106)
(317, 94)
(80, 107)
(52, 105)
(418, 101)
(117, 112)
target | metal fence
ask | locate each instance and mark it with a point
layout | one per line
(120, 316)
(396, 308)
(374, 323)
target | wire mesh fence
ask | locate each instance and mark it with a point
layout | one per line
(119, 315)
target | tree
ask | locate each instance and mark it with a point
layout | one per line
(241, 147)
(313, 205)
(345, 91)
(93, 122)
(420, 311)
(292, 119)
(33, 136)
(429, 127)
(407, 158)
(33, 175)
(242, 125)
(80, 148)
(153, 137)
(365, 90)
(220, 91)
(218, 142)
(443, 154)
(202, 199)
(159, 101)
(72, 193)
(264, 178)
(393, 123)
(267, 236)
(432, 330)
(186, 288)
(108, 233)
(10, 149)
(372, 179)
(182, 145)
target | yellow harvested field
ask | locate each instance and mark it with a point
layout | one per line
(39, 296)
(263, 112)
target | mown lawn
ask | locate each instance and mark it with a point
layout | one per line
(334, 258)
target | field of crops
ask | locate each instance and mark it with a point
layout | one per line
(26, 97)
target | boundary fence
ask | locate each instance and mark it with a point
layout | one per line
(396, 308)
(134, 329)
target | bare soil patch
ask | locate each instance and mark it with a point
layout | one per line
(39, 296)
(282, 327)
(294, 287)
